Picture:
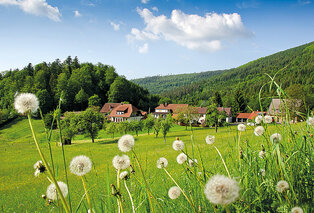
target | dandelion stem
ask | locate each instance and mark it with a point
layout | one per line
(223, 161)
(130, 196)
(239, 147)
(64, 202)
(227, 209)
(86, 193)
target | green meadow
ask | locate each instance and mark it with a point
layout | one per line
(21, 191)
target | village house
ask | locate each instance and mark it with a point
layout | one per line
(245, 117)
(118, 112)
(277, 108)
(228, 113)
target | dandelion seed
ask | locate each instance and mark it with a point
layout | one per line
(80, 165)
(174, 192)
(262, 154)
(275, 138)
(26, 102)
(124, 175)
(268, 119)
(210, 139)
(221, 190)
(121, 162)
(178, 145)
(258, 119)
(263, 172)
(282, 186)
(126, 143)
(162, 163)
(192, 162)
(241, 127)
(52, 191)
(258, 131)
(310, 121)
(181, 158)
(297, 210)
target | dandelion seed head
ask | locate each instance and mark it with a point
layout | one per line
(121, 162)
(181, 158)
(310, 121)
(126, 143)
(52, 191)
(192, 162)
(296, 210)
(282, 186)
(37, 173)
(178, 145)
(80, 165)
(26, 102)
(174, 192)
(241, 127)
(221, 190)
(124, 175)
(38, 164)
(262, 154)
(210, 139)
(268, 119)
(262, 172)
(275, 138)
(258, 119)
(258, 131)
(162, 163)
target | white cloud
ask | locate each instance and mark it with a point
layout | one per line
(77, 13)
(144, 1)
(304, 2)
(248, 4)
(115, 26)
(191, 31)
(35, 7)
(155, 9)
(143, 49)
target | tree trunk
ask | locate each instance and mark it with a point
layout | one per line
(165, 139)
(216, 127)
(93, 140)
(67, 141)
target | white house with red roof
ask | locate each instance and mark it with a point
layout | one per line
(118, 112)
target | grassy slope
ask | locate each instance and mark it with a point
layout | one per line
(21, 191)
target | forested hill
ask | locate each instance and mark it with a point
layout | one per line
(293, 67)
(82, 84)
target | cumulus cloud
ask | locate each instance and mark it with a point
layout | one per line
(35, 7)
(115, 26)
(143, 49)
(191, 31)
(144, 1)
(77, 13)
(304, 2)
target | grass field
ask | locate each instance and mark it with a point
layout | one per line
(21, 191)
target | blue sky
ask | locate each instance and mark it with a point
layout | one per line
(151, 37)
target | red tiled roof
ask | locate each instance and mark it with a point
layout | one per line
(243, 115)
(173, 107)
(201, 110)
(122, 108)
(226, 109)
(254, 114)
(109, 107)
(129, 108)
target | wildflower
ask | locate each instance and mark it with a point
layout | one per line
(162, 163)
(262, 154)
(258, 119)
(124, 175)
(125, 143)
(258, 131)
(275, 138)
(282, 186)
(241, 127)
(52, 191)
(192, 162)
(296, 210)
(263, 172)
(39, 167)
(268, 119)
(26, 102)
(37, 173)
(181, 158)
(80, 165)
(221, 190)
(310, 121)
(210, 139)
(121, 162)
(174, 192)
(178, 145)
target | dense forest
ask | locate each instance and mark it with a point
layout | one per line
(80, 84)
(292, 68)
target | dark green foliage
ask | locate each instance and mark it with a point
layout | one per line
(213, 116)
(70, 126)
(149, 122)
(91, 121)
(239, 102)
(94, 101)
(48, 118)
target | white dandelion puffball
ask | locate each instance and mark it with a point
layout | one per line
(210, 139)
(178, 145)
(52, 191)
(261, 154)
(26, 102)
(37, 172)
(258, 131)
(241, 127)
(80, 165)
(310, 121)
(181, 158)
(258, 119)
(282, 186)
(268, 119)
(162, 163)
(221, 190)
(38, 164)
(263, 172)
(121, 162)
(296, 210)
(124, 175)
(192, 162)
(174, 192)
(126, 143)
(275, 138)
